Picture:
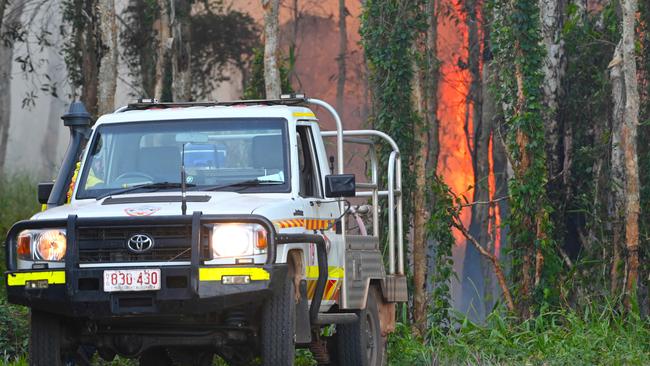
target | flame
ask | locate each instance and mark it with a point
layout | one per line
(455, 160)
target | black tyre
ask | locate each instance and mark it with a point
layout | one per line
(278, 326)
(361, 343)
(155, 357)
(45, 340)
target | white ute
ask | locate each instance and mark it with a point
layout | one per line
(194, 229)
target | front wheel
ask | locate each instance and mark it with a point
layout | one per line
(45, 340)
(278, 326)
(361, 343)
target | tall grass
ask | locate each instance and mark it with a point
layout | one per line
(595, 335)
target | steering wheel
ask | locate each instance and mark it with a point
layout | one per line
(134, 175)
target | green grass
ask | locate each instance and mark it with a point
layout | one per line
(598, 335)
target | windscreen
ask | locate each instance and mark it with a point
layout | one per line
(249, 155)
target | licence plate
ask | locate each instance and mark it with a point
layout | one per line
(132, 280)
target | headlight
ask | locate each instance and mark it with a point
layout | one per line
(46, 245)
(237, 240)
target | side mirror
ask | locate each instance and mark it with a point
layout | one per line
(44, 190)
(341, 185)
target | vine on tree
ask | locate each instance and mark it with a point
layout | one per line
(517, 49)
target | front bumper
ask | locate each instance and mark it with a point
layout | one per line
(185, 290)
(87, 298)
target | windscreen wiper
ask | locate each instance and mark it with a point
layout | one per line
(158, 185)
(245, 183)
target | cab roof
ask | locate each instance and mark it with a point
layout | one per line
(170, 111)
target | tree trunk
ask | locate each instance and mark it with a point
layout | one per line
(163, 47)
(343, 51)
(87, 38)
(617, 173)
(6, 61)
(475, 265)
(629, 146)
(107, 79)
(425, 69)
(271, 40)
(551, 22)
(3, 5)
(524, 163)
(181, 52)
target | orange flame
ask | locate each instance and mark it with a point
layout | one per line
(455, 160)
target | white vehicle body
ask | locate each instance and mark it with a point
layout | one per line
(303, 221)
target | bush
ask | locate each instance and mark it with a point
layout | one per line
(17, 202)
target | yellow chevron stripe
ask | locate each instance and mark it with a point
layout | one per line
(309, 224)
(52, 277)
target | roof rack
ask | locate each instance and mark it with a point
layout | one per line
(285, 99)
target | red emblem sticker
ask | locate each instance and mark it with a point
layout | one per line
(141, 211)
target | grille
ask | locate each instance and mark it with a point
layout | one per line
(105, 245)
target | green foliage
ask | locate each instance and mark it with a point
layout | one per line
(586, 110)
(255, 87)
(17, 202)
(140, 43)
(220, 37)
(595, 335)
(388, 31)
(439, 231)
(81, 18)
(516, 45)
(14, 331)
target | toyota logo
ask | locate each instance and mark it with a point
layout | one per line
(140, 243)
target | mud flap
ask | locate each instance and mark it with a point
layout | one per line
(386, 316)
(303, 326)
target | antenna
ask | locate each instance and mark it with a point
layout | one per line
(183, 186)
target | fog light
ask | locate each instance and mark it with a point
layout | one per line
(36, 284)
(236, 280)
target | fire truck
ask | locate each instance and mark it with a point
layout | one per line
(175, 232)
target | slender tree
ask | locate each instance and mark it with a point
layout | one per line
(629, 146)
(518, 53)
(616, 199)
(475, 264)
(343, 51)
(13, 16)
(271, 41)
(425, 84)
(3, 5)
(107, 79)
(181, 50)
(162, 57)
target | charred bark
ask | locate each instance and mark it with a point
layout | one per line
(271, 69)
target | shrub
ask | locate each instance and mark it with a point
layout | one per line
(17, 202)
